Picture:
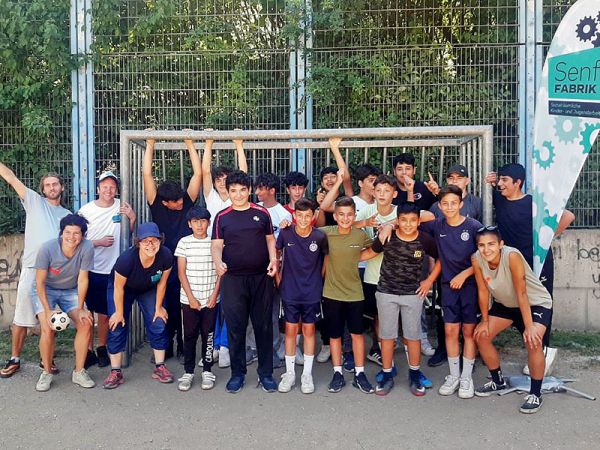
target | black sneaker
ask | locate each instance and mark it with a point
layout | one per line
(437, 359)
(337, 382)
(90, 360)
(375, 356)
(532, 404)
(10, 368)
(103, 358)
(361, 383)
(489, 388)
(384, 386)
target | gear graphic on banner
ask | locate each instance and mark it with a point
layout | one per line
(596, 41)
(567, 135)
(586, 137)
(544, 160)
(586, 29)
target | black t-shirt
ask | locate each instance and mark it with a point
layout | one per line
(172, 223)
(140, 279)
(245, 248)
(423, 198)
(402, 265)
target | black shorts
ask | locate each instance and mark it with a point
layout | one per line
(339, 313)
(539, 315)
(95, 298)
(302, 312)
(369, 290)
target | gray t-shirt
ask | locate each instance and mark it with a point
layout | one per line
(63, 271)
(42, 224)
(472, 207)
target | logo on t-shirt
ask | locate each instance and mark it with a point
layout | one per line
(465, 236)
(156, 277)
(313, 247)
(55, 271)
(417, 196)
(256, 219)
(418, 254)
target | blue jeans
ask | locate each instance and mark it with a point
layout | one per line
(66, 299)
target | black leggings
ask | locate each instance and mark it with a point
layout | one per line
(197, 323)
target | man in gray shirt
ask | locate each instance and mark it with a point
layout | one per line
(43, 216)
(61, 279)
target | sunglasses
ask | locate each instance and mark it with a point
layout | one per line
(488, 228)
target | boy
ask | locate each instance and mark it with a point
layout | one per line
(520, 300)
(455, 238)
(365, 176)
(303, 249)
(399, 291)
(199, 293)
(295, 186)
(410, 190)
(343, 299)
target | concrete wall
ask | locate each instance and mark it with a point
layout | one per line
(576, 282)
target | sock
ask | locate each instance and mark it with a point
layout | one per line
(536, 387)
(337, 369)
(497, 376)
(358, 370)
(414, 373)
(467, 368)
(388, 370)
(116, 369)
(15, 358)
(289, 363)
(308, 363)
(454, 363)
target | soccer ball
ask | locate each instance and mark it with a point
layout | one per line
(59, 321)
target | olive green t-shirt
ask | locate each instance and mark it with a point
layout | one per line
(342, 281)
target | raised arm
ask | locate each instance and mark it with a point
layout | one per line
(327, 202)
(193, 189)
(12, 179)
(241, 155)
(334, 144)
(149, 183)
(207, 181)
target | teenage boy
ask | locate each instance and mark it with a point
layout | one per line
(365, 176)
(515, 222)
(410, 190)
(199, 293)
(520, 300)
(104, 231)
(343, 299)
(399, 290)
(43, 213)
(303, 249)
(61, 279)
(244, 254)
(169, 204)
(295, 185)
(455, 238)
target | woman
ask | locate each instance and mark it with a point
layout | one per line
(141, 274)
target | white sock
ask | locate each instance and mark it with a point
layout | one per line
(337, 369)
(15, 358)
(467, 368)
(308, 363)
(388, 370)
(358, 369)
(454, 363)
(289, 363)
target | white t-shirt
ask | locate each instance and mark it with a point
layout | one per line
(103, 222)
(360, 204)
(277, 213)
(215, 205)
(199, 268)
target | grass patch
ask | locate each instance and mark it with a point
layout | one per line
(31, 352)
(586, 344)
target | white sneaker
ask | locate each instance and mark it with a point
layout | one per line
(288, 380)
(208, 380)
(185, 382)
(466, 388)
(82, 378)
(324, 354)
(426, 348)
(450, 385)
(224, 360)
(550, 358)
(299, 356)
(307, 386)
(44, 382)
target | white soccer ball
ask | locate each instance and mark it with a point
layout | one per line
(59, 321)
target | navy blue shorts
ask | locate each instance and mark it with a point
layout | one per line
(305, 312)
(460, 305)
(95, 299)
(539, 315)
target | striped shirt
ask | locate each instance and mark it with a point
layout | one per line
(199, 268)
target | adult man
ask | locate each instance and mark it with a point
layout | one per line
(169, 204)
(42, 224)
(104, 231)
(410, 190)
(244, 254)
(515, 223)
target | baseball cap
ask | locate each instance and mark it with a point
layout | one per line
(198, 212)
(459, 169)
(515, 171)
(148, 229)
(108, 174)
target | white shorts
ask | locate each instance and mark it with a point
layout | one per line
(24, 313)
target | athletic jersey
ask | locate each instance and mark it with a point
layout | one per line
(455, 245)
(215, 205)
(374, 265)
(63, 271)
(199, 268)
(500, 283)
(245, 248)
(402, 266)
(172, 223)
(342, 281)
(302, 264)
(277, 213)
(103, 221)
(423, 198)
(472, 207)
(139, 278)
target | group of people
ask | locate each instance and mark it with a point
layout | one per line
(341, 264)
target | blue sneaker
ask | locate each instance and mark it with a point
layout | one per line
(362, 383)
(349, 361)
(380, 374)
(425, 382)
(268, 383)
(337, 383)
(235, 384)
(417, 389)
(384, 386)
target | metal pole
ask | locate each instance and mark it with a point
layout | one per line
(487, 150)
